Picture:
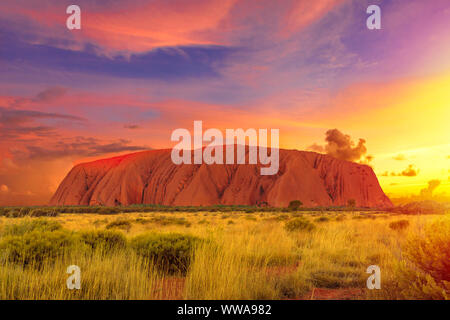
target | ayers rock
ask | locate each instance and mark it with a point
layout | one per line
(150, 177)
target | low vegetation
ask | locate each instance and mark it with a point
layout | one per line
(399, 224)
(171, 253)
(295, 204)
(299, 224)
(149, 252)
(123, 224)
(106, 240)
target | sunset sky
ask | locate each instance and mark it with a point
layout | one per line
(139, 69)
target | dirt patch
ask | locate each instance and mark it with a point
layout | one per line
(170, 288)
(282, 270)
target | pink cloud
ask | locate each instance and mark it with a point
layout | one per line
(139, 26)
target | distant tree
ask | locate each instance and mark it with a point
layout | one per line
(351, 203)
(295, 204)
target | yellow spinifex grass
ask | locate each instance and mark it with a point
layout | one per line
(122, 275)
(236, 265)
(242, 256)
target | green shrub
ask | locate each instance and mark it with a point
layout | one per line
(171, 253)
(36, 247)
(31, 225)
(299, 224)
(399, 225)
(119, 224)
(104, 239)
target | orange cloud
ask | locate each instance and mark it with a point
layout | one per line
(341, 146)
(408, 172)
(400, 157)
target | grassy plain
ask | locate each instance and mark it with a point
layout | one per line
(226, 255)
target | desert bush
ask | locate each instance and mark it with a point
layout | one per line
(425, 273)
(411, 283)
(431, 252)
(36, 247)
(119, 224)
(351, 203)
(295, 204)
(3, 212)
(104, 239)
(399, 225)
(31, 225)
(171, 253)
(298, 224)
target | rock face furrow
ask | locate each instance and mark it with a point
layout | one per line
(150, 177)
